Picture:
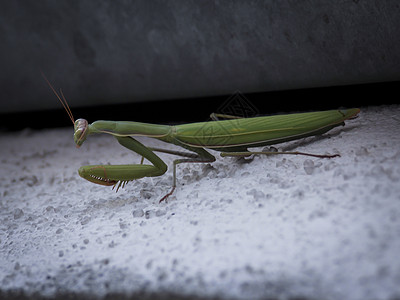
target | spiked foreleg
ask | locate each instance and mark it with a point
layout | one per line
(120, 174)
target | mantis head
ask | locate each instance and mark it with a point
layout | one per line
(81, 130)
(81, 126)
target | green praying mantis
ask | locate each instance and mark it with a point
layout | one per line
(231, 137)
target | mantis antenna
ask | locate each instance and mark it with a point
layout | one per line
(61, 99)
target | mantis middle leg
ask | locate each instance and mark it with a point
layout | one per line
(200, 156)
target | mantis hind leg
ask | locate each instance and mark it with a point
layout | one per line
(248, 153)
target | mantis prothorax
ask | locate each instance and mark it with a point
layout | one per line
(231, 137)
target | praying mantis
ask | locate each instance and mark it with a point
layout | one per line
(231, 137)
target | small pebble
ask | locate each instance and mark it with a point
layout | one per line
(160, 213)
(123, 225)
(85, 220)
(137, 213)
(18, 213)
(50, 208)
(149, 214)
(17, 266)
(309, 166)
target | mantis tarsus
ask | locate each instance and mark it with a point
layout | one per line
(231, 137)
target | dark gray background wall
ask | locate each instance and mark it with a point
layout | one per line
(103, 52)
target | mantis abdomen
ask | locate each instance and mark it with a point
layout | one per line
(260, 131)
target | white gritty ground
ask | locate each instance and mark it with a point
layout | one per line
(279, 227)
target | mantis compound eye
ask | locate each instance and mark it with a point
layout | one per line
(81, 130)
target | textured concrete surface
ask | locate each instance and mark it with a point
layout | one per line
(123, 51)
(271, 228)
